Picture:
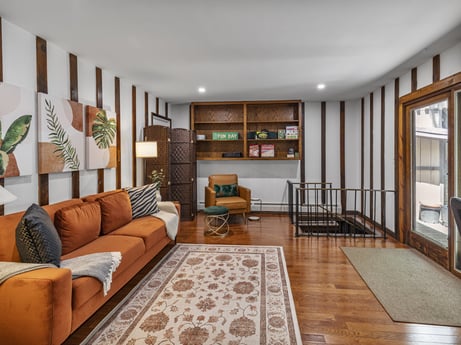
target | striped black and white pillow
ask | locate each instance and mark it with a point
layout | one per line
(143, 200)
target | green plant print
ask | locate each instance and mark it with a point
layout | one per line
(15, 134)
(60, 138)
(104, 130)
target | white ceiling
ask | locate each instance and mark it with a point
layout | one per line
(246, 49)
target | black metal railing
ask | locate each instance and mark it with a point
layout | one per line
(315, 208)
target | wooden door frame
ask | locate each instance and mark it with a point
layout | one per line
(444, 88)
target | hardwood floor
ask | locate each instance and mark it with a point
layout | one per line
(333, 304)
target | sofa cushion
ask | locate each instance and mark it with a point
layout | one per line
(78, 225)
(226, 190)
(152, 230)
(143, 200)
(131, 248)
(36, 237)
(115, 211)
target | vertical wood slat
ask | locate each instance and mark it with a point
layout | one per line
(99, 104)
(1, 50)
(362, 153)
(157, 105)
(166, 109)
(146, 109)
(383, 161)
(303, 140)
(398, 233)
(42, 86)
(371, 154)
(323, 147)
(436, 68)
(73, 81)
(133, 135)
(118, 169)
(2, 180)
(362, 143)
(342, 151)
(414, 79)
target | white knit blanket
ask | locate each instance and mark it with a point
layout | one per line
(97, 265)
(169, 214)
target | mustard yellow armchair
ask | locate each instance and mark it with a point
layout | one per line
(224, 190)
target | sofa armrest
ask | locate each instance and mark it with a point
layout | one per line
(36, 307)
(210, 196)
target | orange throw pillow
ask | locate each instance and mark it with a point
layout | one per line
(78, 225)
(115, 211)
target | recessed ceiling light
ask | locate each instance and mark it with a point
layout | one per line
(201, 89)
(320, 86)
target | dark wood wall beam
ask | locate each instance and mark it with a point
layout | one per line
(157, 105)
(118, 169)
(133, 134)
(371, 163)
(146, 109)
(42, 86)
(342, 150)
(303, 145)
(99, 104)
(362, 143)
(1, 51)
(73, 84)
(166, 109)
(383, 151)
(414, 79)
(383, 136)
(323, 146)
(436, 68)
(2, 180)
(396, 155)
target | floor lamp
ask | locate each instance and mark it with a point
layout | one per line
(146, 149)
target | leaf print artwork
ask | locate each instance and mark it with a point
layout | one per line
(104, 130)
(15, 134)
(60, 138)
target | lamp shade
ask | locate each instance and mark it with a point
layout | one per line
(6, 196)
(146, 149)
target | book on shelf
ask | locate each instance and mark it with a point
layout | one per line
(267, 150)
(281, 133)
(291, 132)
(253, 150)
(291, 153)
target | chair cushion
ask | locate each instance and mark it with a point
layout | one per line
(216, 210)
(226, 190)
(232, 203)
(115, 211)
(143, 200)
(37, 239)
(78, 225)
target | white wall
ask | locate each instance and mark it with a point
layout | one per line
(19, 68)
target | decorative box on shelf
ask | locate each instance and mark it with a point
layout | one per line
(267, 150)
(291, 132)
(225, 135)
(253, 150)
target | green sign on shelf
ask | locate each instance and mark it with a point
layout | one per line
(225, 135)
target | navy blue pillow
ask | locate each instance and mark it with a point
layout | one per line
(37, 239)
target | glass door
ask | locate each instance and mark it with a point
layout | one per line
(430, 195)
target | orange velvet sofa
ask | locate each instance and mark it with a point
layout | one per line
(45, 306)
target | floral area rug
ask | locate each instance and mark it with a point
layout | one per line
(207, 294)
